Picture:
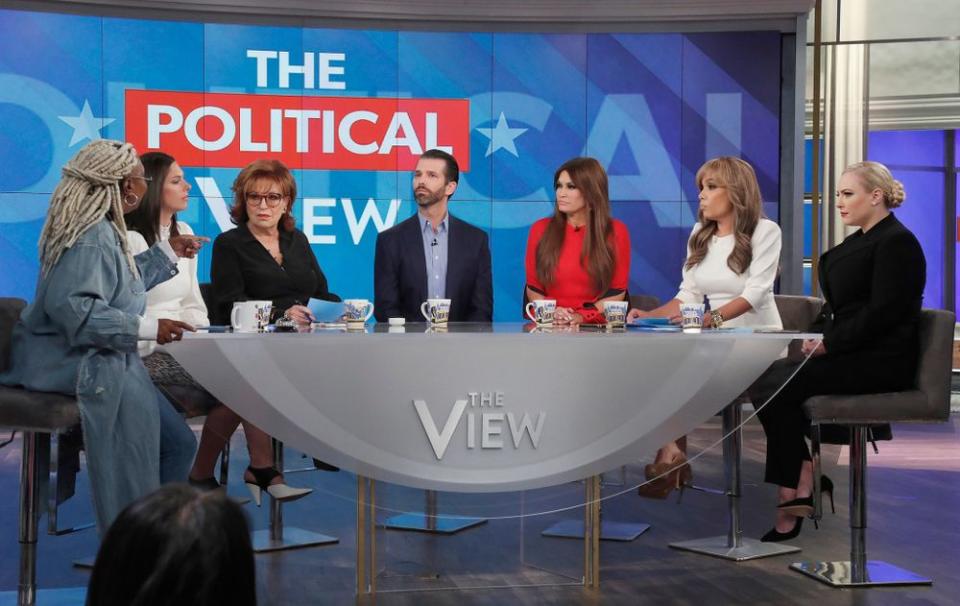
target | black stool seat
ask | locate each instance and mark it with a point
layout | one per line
(904, 406)
(37, 411)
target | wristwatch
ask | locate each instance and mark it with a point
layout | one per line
(717, 318)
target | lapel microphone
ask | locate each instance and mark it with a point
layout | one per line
(434, 243)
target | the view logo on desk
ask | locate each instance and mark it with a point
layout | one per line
(488, 425)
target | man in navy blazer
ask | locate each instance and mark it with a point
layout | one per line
(433, 255)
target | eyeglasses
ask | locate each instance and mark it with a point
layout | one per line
(145, 178)
(272, 199)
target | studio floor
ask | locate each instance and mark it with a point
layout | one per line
(914, 521)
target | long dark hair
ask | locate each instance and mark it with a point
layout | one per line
(176, 547)
(598, 254)
(146, 218)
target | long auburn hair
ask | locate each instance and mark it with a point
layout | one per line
(146, 218)
(740, 181)
(598, 254)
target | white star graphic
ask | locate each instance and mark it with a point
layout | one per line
(85, 126)
(502, 136)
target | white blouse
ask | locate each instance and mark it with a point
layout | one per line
(714, 278)
(179, 297)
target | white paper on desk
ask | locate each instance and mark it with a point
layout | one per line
(325, 311)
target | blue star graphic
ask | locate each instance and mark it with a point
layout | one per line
(85, 126)
(502, 136)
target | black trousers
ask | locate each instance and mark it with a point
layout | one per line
(783, 419)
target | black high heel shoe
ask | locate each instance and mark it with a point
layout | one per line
(804, 505)
(775, 536)
(281, 492)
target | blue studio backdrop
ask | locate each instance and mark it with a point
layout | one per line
(350, 110)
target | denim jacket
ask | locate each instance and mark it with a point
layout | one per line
(79, 337)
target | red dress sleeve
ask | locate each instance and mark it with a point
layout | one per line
(536, 232)
(621, 268)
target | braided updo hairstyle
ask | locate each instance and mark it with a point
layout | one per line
(88, 190)
(874, 175)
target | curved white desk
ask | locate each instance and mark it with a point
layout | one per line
(446, 410)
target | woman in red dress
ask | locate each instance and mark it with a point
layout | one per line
(580, 256)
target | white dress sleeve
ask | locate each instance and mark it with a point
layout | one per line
(194, 309)
(689, 291)
(765, 264)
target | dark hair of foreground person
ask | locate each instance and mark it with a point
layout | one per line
(177, 546)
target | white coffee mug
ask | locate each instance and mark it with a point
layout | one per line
(691, 317)
(541, 311)
(357, 311)
(436, 311)
(615, 312)
(250, 316)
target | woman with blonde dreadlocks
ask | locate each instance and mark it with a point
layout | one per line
(79, 336)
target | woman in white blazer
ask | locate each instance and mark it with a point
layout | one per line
(179, 298)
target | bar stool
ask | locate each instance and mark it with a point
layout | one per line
(38, 415)
(796, 313)
(928, 402)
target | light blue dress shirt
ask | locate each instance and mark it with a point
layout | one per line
(435, 253)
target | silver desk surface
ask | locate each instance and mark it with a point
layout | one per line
(478, 407)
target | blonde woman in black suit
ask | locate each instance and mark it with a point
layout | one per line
(872, 284)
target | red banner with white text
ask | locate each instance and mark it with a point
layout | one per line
(230, 130)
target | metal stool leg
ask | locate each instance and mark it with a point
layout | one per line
(366, 536)
(53, 508)
(733, 546)
(859, 572)
(29, 523)
(278, 538)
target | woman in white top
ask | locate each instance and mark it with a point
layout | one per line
(733, 255)
(179, 298)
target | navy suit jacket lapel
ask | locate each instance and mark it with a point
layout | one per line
(413, 243)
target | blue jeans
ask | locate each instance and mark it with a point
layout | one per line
(178, 445)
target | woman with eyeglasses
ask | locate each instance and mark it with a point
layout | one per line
(264, 258)
(80, 334)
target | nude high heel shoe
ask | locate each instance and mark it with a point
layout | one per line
(670, 476)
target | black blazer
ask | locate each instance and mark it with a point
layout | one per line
(400, 273)
(242, 270)
(873, 285)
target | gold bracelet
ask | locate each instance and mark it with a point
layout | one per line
(717, 318)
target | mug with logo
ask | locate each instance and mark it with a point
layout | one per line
(357, 311)
(436, 311)
(250, 316)
(615, 313)
(541, 311)
(691, 317)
